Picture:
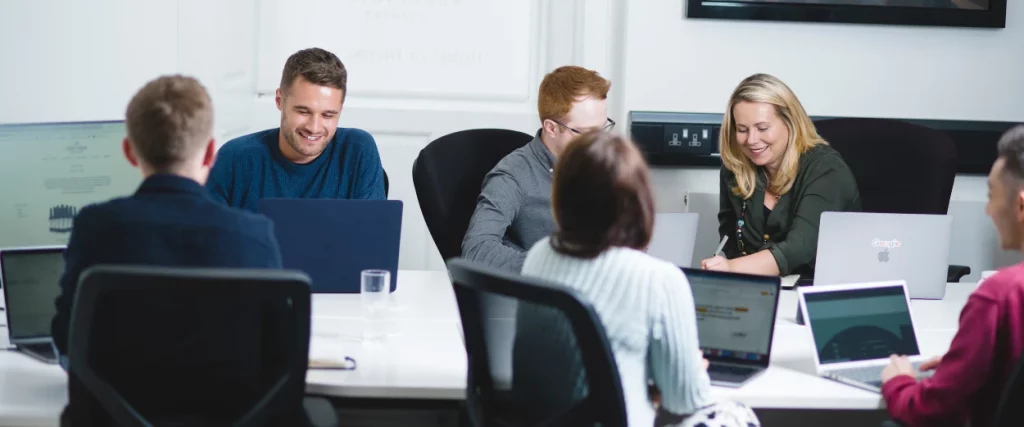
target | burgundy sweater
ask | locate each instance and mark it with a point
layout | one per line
(969, 381)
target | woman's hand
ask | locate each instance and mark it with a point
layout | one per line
(716, 263)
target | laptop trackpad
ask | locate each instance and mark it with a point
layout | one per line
(729, 373)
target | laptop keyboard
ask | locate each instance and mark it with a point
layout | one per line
(873, 374)
(730, 373)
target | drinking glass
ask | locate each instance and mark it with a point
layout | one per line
(375, 287)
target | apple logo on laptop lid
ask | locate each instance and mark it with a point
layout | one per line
(883, 256)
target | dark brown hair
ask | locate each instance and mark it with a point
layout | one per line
(1010, 148)
(563, 86)
(317, 66)
(169, 120)
(601, 196)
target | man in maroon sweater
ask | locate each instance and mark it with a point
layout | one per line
(970, 377)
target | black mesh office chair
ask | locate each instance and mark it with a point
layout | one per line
(448, 174)
(158, 346)
(1010, 412)
(538, 355)
(900, 167)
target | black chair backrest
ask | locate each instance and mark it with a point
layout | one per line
(387, 184)
(538, 354)
(448, 174)
(1010, 412)
(900, 167)
(188, 346)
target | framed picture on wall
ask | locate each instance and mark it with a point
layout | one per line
(952, 13)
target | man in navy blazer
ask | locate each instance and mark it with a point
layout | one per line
(170, 220)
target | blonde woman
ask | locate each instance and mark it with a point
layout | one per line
(778, 176)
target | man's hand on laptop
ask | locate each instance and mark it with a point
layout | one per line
(700, 354)
(930, 364)
(898, 365)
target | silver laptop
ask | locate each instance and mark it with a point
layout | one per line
(735, 322)
(30, 278)
(855, 247)
(673, 237)
(856, 328)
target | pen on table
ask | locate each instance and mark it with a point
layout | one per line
(721, 245)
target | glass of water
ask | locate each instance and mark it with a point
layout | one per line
(375, 287)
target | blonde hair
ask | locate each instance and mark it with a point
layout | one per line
(767, 89)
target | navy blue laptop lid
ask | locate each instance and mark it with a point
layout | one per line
(334, 240)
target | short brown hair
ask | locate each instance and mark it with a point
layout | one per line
(1010, 148)
(566, 85)
(601, 196)
(169, 120)
(317, 66)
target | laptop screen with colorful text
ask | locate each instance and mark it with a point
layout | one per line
(734, 317)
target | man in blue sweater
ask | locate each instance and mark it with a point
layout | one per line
(309, 156)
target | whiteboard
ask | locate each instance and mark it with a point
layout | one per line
(441, 49)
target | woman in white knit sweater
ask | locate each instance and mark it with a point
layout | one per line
(604, 214)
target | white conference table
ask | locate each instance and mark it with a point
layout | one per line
(423, 357)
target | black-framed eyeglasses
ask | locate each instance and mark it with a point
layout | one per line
(609, 124)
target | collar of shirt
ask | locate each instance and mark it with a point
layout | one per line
(169, 183)
(543, 154)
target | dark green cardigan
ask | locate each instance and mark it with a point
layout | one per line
(823, 183)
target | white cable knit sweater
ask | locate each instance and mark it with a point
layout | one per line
(648, 313)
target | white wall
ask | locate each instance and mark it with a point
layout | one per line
(217, 45)
(691, 65)
(419, 69)
(68, 60)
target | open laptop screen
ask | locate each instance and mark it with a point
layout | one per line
(31, 283)
(735, 316)
(351, 236)
(59, 168)
(861, 324)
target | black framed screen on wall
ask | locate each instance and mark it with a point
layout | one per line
(952, 13)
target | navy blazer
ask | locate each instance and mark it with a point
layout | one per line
(169, 221)
(172, 221)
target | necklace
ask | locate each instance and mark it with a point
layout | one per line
(768, 181)
(741, 221)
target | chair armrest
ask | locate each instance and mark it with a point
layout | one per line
(957, 272)
(319, 412)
